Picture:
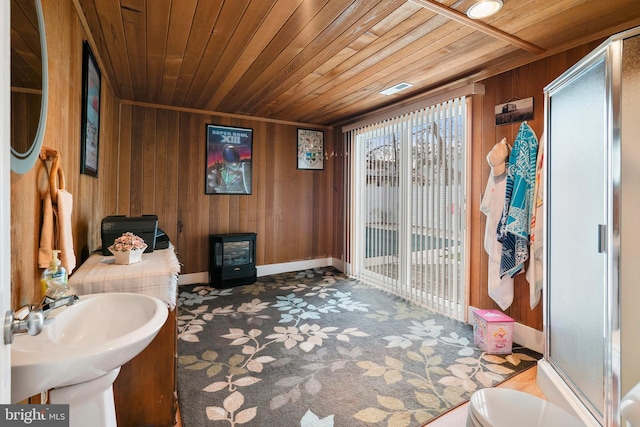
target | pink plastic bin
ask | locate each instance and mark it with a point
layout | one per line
(493, 331)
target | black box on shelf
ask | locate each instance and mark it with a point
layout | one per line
(114, 226)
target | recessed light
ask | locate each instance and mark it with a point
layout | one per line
(484, 8)
(397, 88)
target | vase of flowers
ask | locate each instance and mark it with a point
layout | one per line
(128, 249)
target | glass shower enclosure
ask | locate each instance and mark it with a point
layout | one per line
(592, 151)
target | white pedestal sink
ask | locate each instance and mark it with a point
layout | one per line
(79, 352)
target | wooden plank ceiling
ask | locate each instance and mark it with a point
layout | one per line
(325, 61)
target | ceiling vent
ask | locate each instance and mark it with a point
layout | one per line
(395, 89)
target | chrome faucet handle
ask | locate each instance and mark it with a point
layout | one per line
(32, 325)
(29, 319)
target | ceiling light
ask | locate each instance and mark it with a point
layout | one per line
(397, 88)
(484, 8)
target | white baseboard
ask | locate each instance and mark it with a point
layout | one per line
(285, 267)
(522, 334)
(268, 269)
(193, 278)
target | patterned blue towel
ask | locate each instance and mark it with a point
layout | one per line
(514, 226)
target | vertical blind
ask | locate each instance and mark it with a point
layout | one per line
(406, 220)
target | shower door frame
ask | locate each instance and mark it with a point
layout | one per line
(610, 53)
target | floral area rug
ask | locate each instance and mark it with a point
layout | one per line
(318, 349)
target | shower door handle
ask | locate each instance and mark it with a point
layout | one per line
(602, 238)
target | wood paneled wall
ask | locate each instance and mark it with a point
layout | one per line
(162, 171)
(25, 117)
(523, 82)
(93, 198)
(152, 161)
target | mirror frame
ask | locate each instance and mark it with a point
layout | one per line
(22, 162)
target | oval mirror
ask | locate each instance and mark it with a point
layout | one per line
(28, 83)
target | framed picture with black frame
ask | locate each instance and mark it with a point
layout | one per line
(310, 149)
(229, 160)
(90, 133)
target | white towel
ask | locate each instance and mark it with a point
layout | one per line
(46, 234)
(500, 289)
(65, 235)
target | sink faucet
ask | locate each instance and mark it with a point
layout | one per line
(30, 319)
(47, 305)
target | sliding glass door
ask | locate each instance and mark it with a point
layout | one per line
(409, 191)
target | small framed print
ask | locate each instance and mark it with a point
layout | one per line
(310, 149)
(89, 138)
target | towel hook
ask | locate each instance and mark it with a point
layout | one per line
(47, 153)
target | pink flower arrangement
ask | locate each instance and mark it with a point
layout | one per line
(127, 242)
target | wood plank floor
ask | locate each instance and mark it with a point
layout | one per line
(526, 381)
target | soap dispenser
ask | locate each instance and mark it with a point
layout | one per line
(54, 279)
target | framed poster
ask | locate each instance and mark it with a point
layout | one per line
(229, 167)
(310, 149)
(90, 136)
